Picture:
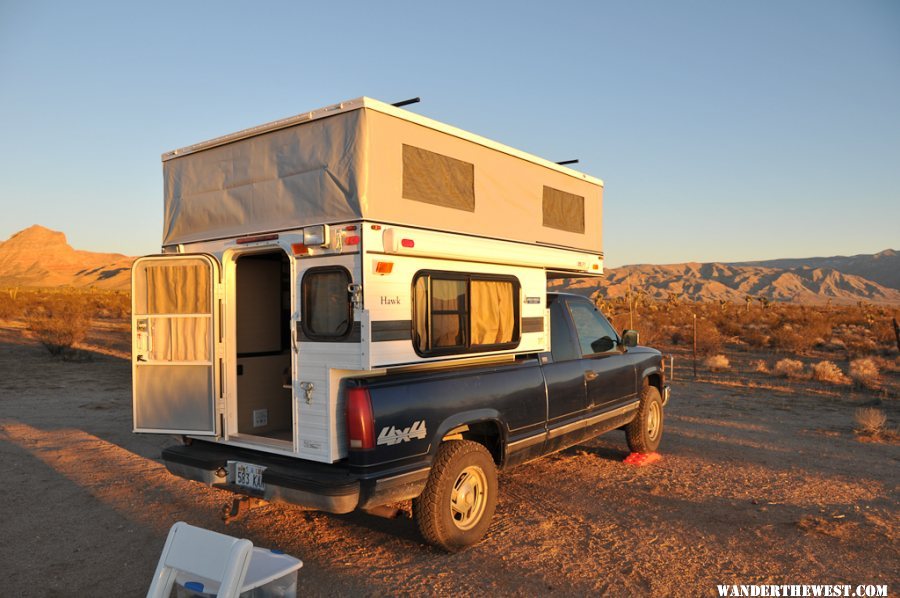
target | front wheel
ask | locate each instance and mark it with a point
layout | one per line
(645, 432)
(456, 507)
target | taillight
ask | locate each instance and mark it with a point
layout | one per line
(360, 422)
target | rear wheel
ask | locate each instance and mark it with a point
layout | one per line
(456, 507)
(645, 432)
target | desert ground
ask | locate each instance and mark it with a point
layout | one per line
(762, 480)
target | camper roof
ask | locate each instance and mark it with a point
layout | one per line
(367, 160)
(366, 102)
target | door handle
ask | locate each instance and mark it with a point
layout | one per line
(590, 375)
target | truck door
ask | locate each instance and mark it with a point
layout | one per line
(565, 375)
(175, 329)
(609, 371)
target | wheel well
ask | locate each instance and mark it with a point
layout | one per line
(485, 433)
(654, 380)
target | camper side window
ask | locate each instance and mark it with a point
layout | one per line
(326, 311)
(464, 313)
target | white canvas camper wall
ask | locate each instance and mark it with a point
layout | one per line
(352, 240)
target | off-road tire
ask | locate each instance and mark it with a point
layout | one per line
(645, 431)
(466, 464)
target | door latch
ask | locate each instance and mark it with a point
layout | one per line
(308, 388)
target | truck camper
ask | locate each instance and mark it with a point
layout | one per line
(309, 262)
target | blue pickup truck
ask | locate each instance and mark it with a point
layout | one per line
(438, 436)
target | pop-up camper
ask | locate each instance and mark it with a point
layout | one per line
(356, 239)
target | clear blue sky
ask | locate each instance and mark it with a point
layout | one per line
(724, 131)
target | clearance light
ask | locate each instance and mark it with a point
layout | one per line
(376, 227)
(299, 249)
(351, 227)
(408, 243)
(354, 240)
(596, 266)
(256, 239)
(384, 267)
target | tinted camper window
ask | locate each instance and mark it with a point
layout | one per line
(464, 313)
(326, 311)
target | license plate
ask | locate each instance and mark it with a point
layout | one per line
(248, 475)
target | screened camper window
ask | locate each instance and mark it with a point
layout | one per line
(464, 313)
(437, 179)
(326, 311)
(563, 211)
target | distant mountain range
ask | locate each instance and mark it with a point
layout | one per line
(40, 257)
(868, 278)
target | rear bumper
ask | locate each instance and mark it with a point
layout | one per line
(319, 486)
(332, 488)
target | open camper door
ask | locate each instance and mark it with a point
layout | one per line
(175, 333)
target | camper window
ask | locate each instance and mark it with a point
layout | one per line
(439, 180)
(464, 313)
(326, 311)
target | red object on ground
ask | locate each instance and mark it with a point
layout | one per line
(641, 459)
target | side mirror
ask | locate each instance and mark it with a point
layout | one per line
(602, 345)
(630, 338)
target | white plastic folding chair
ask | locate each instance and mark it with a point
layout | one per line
(204, 553)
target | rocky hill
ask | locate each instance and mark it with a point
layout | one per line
(40, 257)
(796, 281)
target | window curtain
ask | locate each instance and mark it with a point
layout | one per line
(493, 313)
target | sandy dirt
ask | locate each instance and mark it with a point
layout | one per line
(760, 482)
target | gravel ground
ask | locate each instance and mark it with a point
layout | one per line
(760, 482)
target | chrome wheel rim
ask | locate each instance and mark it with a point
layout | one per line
(654, 419)
(468, 498)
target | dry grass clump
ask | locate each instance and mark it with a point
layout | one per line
(789, 368)
(864, 372)
(827, 371)
(759, 365)
(60, 321)
(871, 421)
(717, 363)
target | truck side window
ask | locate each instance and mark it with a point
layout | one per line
(595, 334)
(326, 312)
(562, 345)
(455, 312)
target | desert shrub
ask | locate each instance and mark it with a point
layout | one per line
(827, 371)
(709, 339)
(870, 420)
(59, 321)
(717, 363)
(760, 366)
(864, 372)
(10, 306)
(111, 304)
(789, 368)
(789, 340)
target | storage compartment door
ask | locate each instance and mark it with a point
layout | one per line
(174, 331)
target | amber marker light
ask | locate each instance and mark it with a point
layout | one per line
(299, 249)
(384, 267)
